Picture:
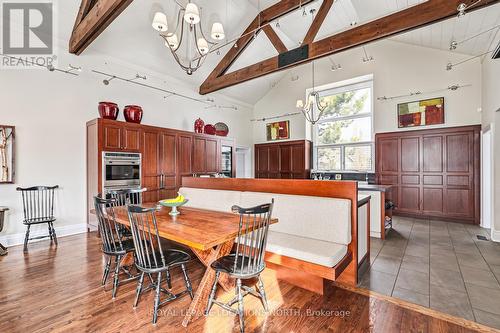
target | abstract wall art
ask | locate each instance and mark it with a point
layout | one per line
(278, 131)
(421, 113)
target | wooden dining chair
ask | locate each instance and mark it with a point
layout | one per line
(38, 208)
(125, 197)
(248, 261)
(151, 258)
(114, 245)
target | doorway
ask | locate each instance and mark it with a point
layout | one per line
(243, 162)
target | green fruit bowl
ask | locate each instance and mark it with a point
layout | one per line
(173, 205)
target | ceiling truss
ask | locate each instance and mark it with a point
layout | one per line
(420, 15)
(92, 19)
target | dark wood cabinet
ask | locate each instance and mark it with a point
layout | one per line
(151, 164)
(168, 164)
(285, 160)
(167, 156)
(118, 137)
(206, 155)
(434, 173)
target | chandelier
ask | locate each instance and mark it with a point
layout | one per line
(313, 101)
(189, 29)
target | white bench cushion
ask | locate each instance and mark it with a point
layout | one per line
(218, 200)
(325, 219)
(312, 250)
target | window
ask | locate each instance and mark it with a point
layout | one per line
(343, 137)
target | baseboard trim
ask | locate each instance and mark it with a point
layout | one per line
(495, 235)
(61, 231)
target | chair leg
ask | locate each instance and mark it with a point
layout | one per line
(187, 281)
(241, 312)
(212, 294)
(157, 299)
(26, 238)
(106, 271)
(262, 293)
(50, 231)
(138, 290)
(53, 232)
(115, 276)
(169, 281)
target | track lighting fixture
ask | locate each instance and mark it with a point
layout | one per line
(72, 69)
(137, 77)
(107, 81)
(453, 45)
(462, 8)
(450, 66)
(336, 67)
(367, 57)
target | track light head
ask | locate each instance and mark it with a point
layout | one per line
(453, 45)
(449, 66)
(107, 81)
(461, 9)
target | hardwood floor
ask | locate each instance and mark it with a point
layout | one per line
(58, 290)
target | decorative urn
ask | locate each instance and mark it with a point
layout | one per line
(133, 114)
(198, 125)
(108, 110)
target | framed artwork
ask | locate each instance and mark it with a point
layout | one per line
(7, 135)
(278, 131)
(421, 113)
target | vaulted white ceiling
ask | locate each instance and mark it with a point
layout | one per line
(440, 35)
(131, 38)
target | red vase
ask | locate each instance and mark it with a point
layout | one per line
(108, 110)
(133, 114)
(210, 129)
(198, 125)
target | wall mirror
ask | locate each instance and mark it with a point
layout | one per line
(7, 152)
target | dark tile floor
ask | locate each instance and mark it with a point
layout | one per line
(439, 265)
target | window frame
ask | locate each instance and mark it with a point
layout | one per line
(338, 88)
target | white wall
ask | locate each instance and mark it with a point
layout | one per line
(50, 110)
(491, 103)
(398, 69)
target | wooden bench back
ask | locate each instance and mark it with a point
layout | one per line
(328, 189)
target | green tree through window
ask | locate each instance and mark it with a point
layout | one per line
(344, 132)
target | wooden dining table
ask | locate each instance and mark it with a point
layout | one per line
(209, 234)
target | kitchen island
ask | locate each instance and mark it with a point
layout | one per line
(378, 193)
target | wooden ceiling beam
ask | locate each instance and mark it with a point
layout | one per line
(264, 17)
(275, 39)
(429, 12)
(318, 21)
(92, 20)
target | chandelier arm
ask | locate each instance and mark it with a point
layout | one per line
(200, 54)
(176, 57)
(201, 31)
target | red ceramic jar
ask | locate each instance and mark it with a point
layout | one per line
(210, 129)
(198, 125)
(133, 114)
(108, 110)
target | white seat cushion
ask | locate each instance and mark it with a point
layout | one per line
(326, 219)
(218, 200)
(312, 250)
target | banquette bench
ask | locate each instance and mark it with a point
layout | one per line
(316, 236)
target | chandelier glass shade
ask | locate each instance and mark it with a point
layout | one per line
(313, 103)
(188, 36)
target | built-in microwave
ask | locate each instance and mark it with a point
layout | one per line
(121, 170)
